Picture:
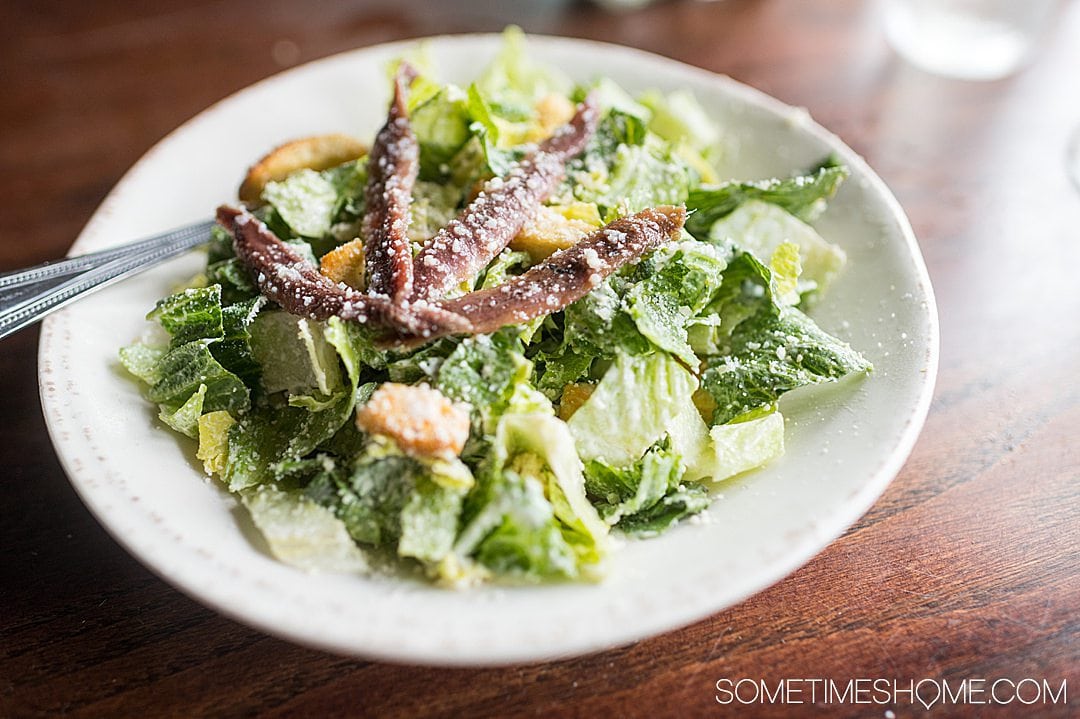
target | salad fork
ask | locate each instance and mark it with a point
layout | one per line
(28, 295)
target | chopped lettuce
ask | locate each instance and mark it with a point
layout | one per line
(214, 441)
(517, 80)
(184, 370)
(515, 532)
(485, 371)
(442, 128)
(294, 354)
(192, 314)
(762, 228)
(142, 360)
(597, 325)
(185, 418)
(737, 447)
(682, 501)
(772, 354)
(302, 533)
(679, 281)
(306, 201)
(549, 441)
(803, 196)
(651, 389)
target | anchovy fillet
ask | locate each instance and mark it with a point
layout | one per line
(285, 277)
(468, 243)
(566, 276)
(392, 168)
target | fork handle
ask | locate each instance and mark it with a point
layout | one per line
(28, 295)
(190, 236)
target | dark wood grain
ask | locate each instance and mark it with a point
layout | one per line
(968, 566)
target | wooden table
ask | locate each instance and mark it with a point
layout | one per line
(968, 566)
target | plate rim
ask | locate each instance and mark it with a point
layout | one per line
(852, 509)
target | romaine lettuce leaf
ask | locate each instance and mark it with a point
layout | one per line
(484, 371)
(214, 441)
(302, 533)
(269, 437)
(442, 128)
(141, 360)
(388, 498)
(185, 418)
(294, 355)
(192, 314)
(514, 79)
(762, 228)
(305, 200)
(560, 369)
(678, 282)
(803, 196)
(738, 447)
(682, 501)
(771, 354)
(597, 325)
(517, 534)
(622, 491)
(184, 369)
(233, 349)
(679, 118)
(639, 177)
(651, 389)
(429, 521)
(548, 439)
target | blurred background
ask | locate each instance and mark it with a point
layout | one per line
(90, 86)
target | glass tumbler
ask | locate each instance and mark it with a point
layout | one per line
(967, 39)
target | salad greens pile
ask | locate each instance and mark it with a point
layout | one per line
(619, 412)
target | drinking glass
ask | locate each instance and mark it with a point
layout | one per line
(967, 39)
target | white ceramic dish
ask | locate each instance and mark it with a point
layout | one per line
(845, 443)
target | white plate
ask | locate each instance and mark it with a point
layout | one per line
(845, 443)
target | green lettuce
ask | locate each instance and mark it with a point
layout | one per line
(803, 196)
(514, 80)
(392, 499)
(302, 533)
(679, 282)
(772, 355)
(651, 389)
(306, 201)
(762, 228)
(294, 355)
(485, 371)
(549, 441)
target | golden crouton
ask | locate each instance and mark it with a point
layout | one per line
(315, 153)
(421, 420)
(552, 112)
(705, 404)
(573, 396)
(345, 264)
(548, 232)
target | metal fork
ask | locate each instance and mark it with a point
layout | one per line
(28, 295)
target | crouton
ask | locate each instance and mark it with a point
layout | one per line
(316, 153)
(345, 264)
(705, 404)
(573, 396)
(553, 111)
(548, 232)
(421, 420)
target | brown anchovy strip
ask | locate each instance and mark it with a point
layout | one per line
(465, 246)
(285, 277)
(568, 275)
(392, 170)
